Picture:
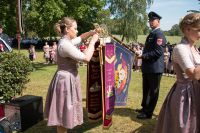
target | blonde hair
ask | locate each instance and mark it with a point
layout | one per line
(65, 22)
(191, 20)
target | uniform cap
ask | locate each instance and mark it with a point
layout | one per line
(153, 15)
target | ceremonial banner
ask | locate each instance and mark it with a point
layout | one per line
(109, 84)
(94, 91)
(109, 75)
(123, 67)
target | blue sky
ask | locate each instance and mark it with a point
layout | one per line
(172, 10)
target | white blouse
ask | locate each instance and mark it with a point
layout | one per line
(183, 56)
(68, 48)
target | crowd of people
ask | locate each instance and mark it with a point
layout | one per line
(49, 53)
(168, 49)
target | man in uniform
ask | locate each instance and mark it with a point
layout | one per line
(152, 67)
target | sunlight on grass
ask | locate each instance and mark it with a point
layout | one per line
(124, 118)
(142, 39)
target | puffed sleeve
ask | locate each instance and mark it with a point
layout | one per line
(77, 41)
(67, 49)
(183, 57)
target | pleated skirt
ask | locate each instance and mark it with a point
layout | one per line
(63, 105)
(180, 112)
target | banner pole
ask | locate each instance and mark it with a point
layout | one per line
(18, 22)
(121, 43)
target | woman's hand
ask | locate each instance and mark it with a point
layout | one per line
(94, 39)
(90, 50)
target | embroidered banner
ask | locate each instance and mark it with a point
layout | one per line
(109, 84)
(94, 92)
(109, 75)
(123, 65)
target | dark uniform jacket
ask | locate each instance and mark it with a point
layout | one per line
(153, 53)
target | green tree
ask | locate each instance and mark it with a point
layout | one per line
(130, 17)
(86, 12)
(7, 15)
(175, 31)
(40, 16)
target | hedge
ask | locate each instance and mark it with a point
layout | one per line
(14, 71)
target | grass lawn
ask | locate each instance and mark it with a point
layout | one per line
(142, 39)
(124, 118)
(171, 39)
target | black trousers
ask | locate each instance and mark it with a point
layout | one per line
(151, 86)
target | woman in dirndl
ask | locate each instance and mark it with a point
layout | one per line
(180, 112)
(63, 107)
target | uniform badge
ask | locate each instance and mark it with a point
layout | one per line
(159, 41)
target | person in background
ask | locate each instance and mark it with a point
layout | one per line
(82, 48)
(1, 47)
(52, 53)
(46, 53)
(170, 65)
(180, 112)
(4, 36)
(5, 41)
(166, 59)
(138, 61)
(54, 46)
(63, 107)
(152, 67)
(32, 53)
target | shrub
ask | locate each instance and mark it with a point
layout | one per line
(14, 71)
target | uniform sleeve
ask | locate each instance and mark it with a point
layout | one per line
(76, 41)
(67, 49)
(157, 51)
(182, 56)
